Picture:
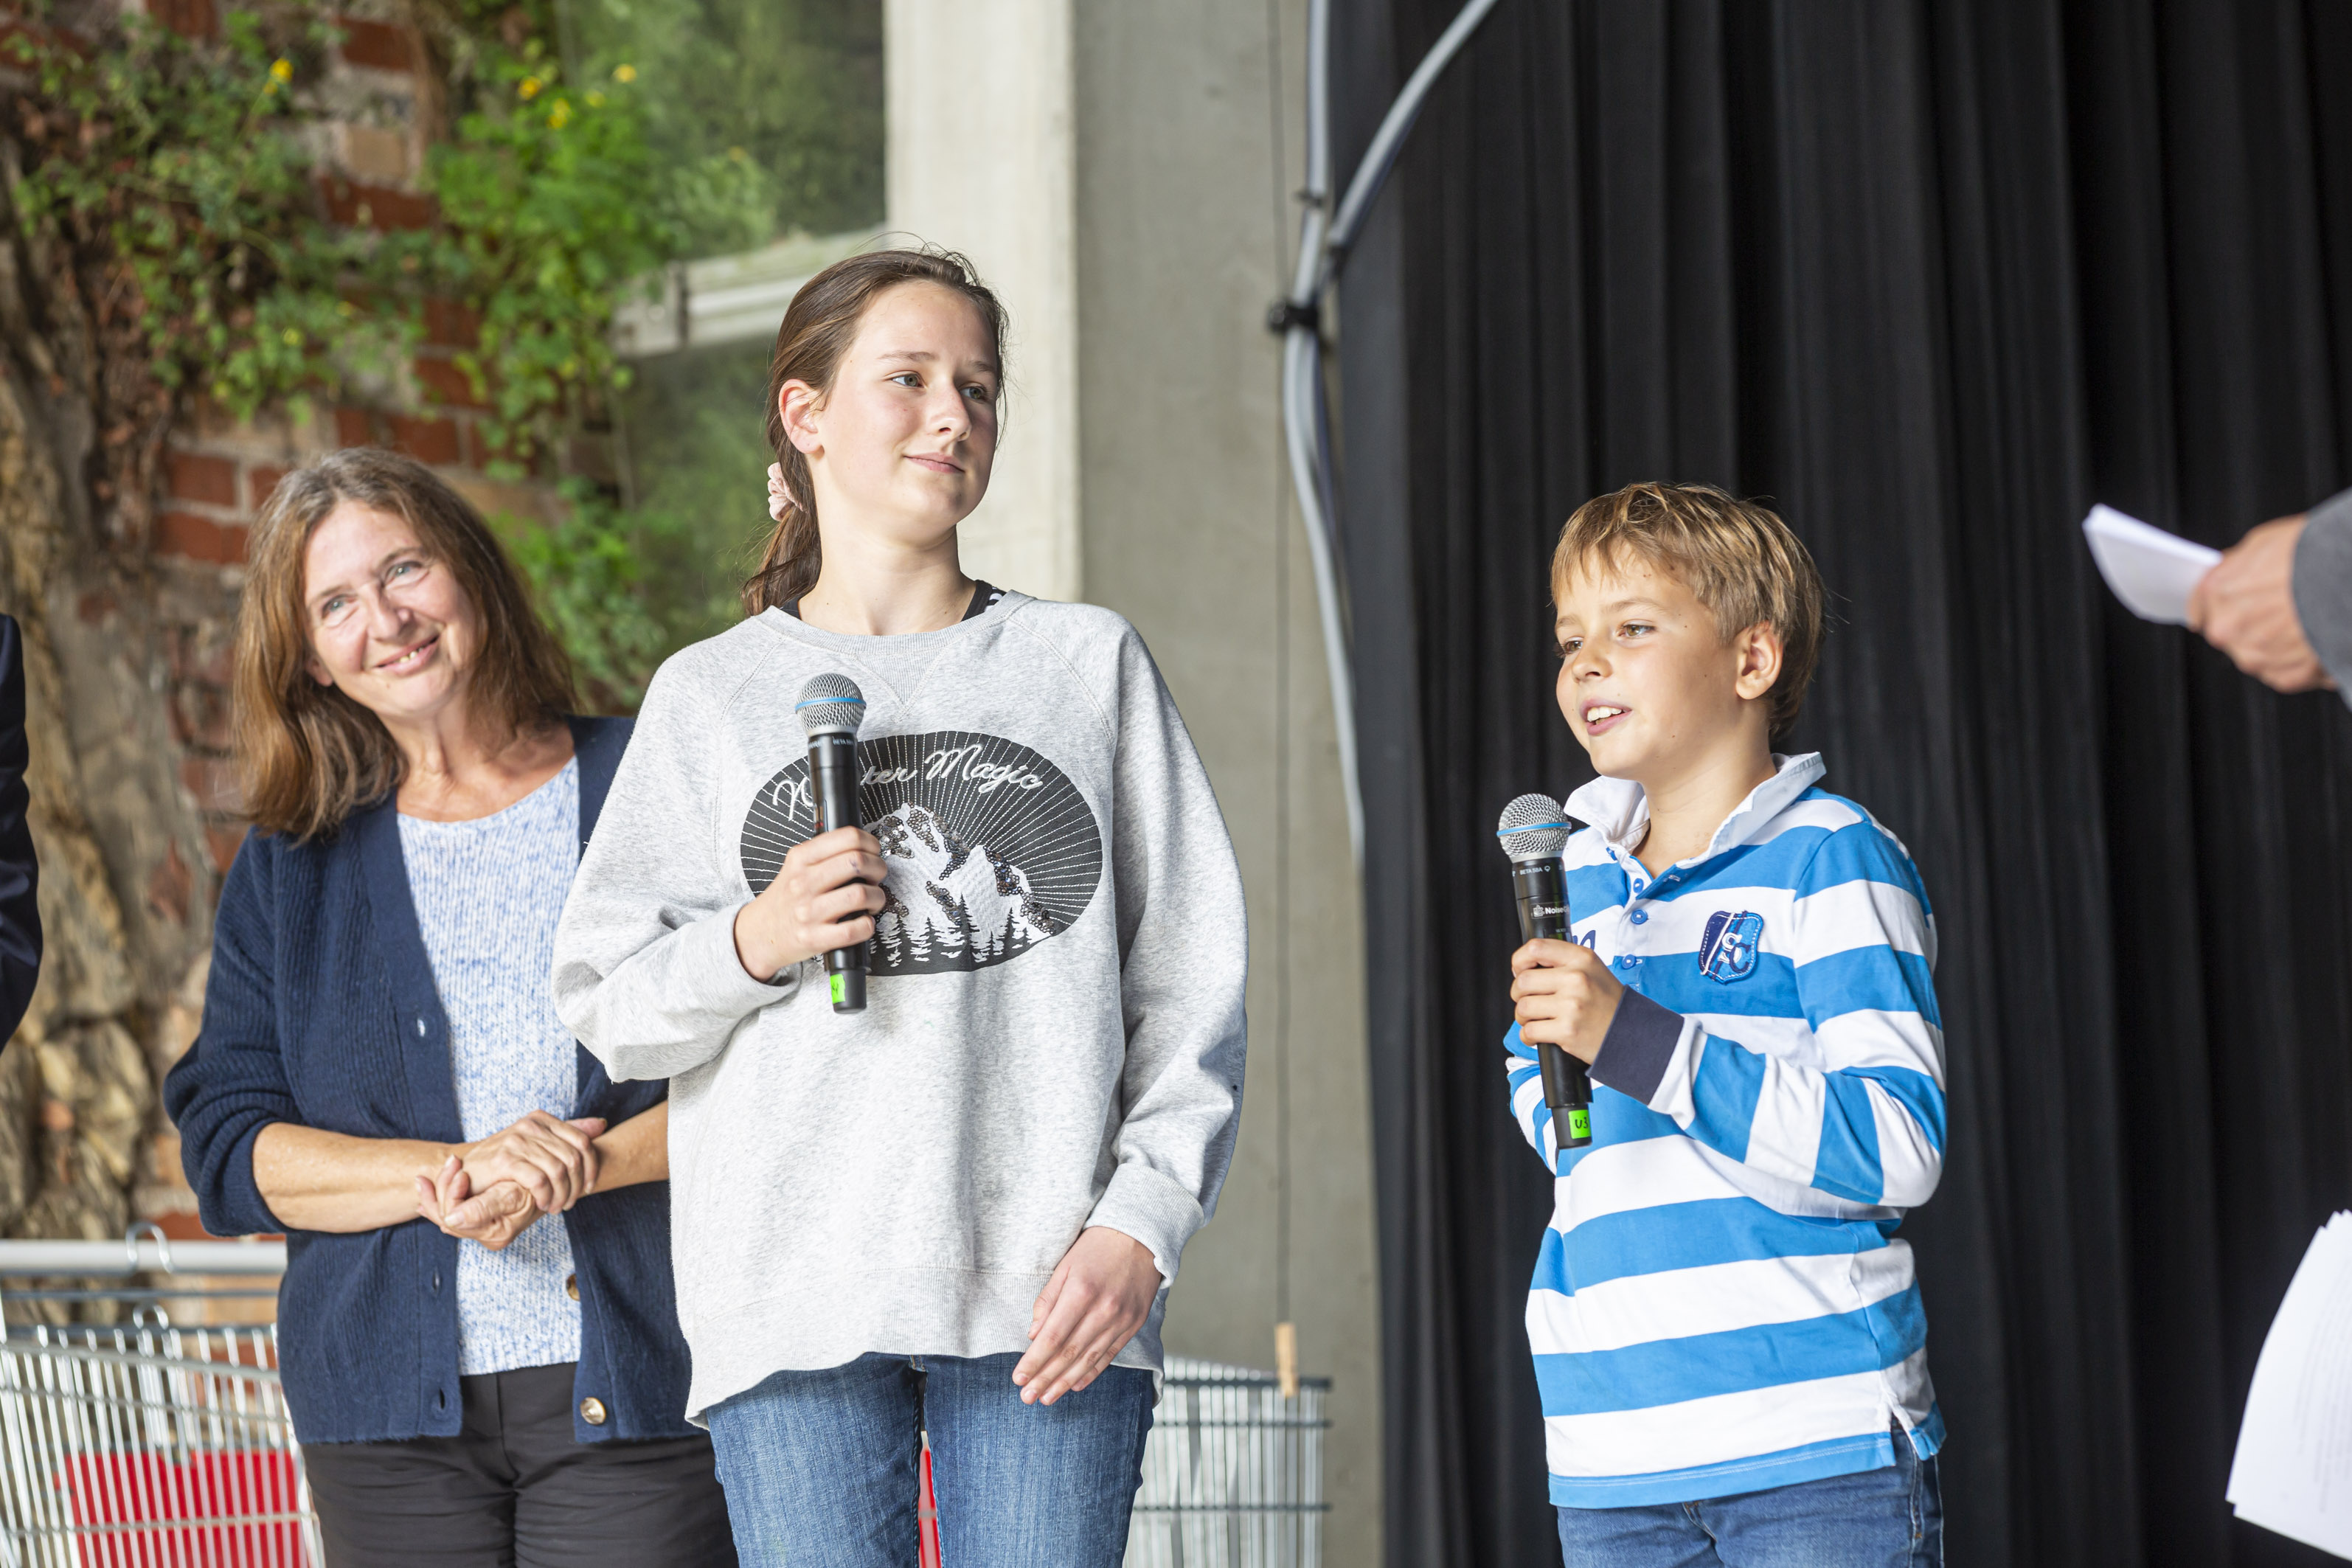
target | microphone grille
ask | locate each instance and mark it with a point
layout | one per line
(831, 703)
(1533, 826)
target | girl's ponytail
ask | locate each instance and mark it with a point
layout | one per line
(817, 330)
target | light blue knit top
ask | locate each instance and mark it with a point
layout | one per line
(489, 893)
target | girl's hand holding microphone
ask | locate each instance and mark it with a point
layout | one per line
(825, 896)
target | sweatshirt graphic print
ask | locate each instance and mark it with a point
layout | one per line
(1053, 1037)
(987, 848)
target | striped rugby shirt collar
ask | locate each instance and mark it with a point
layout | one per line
(1619, 810)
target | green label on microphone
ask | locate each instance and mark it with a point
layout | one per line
(840, 985)
(1579, 1122)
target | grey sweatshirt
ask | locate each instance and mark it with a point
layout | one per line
(1053, 1036)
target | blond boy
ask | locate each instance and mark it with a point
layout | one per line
(1727, 1337)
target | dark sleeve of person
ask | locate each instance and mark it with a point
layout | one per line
(232, 1082)
(20, 873)
(2323, 588)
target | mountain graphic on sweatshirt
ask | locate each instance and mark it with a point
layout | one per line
(987, 848)
(945, 899)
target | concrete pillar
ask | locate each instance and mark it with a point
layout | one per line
(982, 159)
(1188, 149)
(1123, 173)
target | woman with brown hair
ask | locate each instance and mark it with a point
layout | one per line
(477, 1328)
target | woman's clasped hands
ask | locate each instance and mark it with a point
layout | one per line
(493, 1191)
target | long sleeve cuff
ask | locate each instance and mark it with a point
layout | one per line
(236, 1206)
(1639, 1047)
(715, 970)
(669, 1011)
(2323, 588)
(1151, 1206)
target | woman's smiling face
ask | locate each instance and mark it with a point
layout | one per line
(390, 627)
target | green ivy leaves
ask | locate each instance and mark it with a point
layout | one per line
(169, 171)
(186, 184)
(547, 213)
(186, 174)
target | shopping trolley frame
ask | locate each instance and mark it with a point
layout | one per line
(144, 1442)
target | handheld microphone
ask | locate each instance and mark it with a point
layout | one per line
(830, 710)
(1534, 830)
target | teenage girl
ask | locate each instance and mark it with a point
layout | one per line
(962, 1207)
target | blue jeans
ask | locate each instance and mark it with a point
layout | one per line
(1891, 1518)
(820, 1467)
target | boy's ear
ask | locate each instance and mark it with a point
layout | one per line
(1759, 652)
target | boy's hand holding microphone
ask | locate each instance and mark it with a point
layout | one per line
(1563, 997)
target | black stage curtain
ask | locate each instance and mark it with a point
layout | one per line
(1933, 278)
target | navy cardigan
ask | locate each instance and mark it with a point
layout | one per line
(321, 1012)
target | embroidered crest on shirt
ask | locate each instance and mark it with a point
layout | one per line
(1728, 952)
(987, 848)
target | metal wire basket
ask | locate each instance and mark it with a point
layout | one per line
(1232, 1472)
(143, 1444)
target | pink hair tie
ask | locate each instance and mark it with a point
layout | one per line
(779, 495)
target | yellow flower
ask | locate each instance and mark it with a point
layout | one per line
(530, 88)
(596, 100)
(281, 70)
(625, 73)
(291, 338)
(561, 115)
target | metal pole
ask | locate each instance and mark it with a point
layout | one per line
(1323, 245)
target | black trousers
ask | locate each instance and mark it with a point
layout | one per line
(514, 1489)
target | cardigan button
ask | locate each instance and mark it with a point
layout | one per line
(571, 1286)
(591, 1411)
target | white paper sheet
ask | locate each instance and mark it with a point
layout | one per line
(2151, 571)
(2293, 1472)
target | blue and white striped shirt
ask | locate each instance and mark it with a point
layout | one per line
(1720, 1305)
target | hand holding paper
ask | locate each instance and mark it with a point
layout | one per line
(2241, 599)
(2152, 572)
(2245, 606)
